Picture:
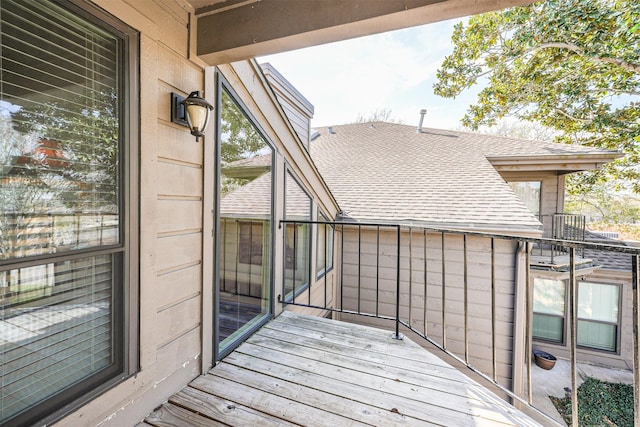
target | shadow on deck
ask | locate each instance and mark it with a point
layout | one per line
(303, 370)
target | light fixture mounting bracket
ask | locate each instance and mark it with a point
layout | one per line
(178, 112)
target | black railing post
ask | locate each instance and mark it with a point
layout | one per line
(426, 282)
(466, 299)
(528, 322)
(635, 261)
(398, 335)
(341, 266)
(377, 270)
(443, 290)
(494, 355)
(326, 261)
(359, 267)
(573, 326)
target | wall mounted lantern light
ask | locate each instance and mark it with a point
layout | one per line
(193, 112)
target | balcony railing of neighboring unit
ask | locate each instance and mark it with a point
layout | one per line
(568, 227)
(561, 227)
(461, 292)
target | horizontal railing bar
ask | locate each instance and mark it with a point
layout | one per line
(339, 310)
(539, 240)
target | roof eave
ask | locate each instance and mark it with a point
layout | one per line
(553, 162)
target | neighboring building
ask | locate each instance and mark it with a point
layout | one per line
(392, 173)
(605, 310)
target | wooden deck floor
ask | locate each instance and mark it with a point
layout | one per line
(302, 370)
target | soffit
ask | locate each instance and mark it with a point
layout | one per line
(234, 30)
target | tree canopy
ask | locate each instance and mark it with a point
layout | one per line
(571, 65)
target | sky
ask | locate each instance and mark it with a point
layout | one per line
(394, 70)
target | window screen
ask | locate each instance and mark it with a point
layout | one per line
(61, 202)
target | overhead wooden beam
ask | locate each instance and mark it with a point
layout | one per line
(237, 30)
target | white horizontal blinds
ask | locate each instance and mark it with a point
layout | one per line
(60, 146)
(598, 315)
(59, 118)
(56, 329)
(548, 309)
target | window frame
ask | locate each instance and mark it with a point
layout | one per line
(125, 262)
(563, 340)
(290, 296)
(245, 257)
(617, 325)
(222, 84)
(539, 182)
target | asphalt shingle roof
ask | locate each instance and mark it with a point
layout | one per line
(607, 259)
(390, 172)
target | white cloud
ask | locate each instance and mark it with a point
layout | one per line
(394, 70)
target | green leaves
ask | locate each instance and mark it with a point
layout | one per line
(600, 403)
(573, 65)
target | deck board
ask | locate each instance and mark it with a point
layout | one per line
(302, 370)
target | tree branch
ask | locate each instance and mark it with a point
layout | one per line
(568, 46)
(577, 49)
(569, 116)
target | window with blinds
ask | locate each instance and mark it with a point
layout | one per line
(598, 315)
(548, 309)
(61, 223)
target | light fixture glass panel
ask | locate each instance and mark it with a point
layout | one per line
(197, 116)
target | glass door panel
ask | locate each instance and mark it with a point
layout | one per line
(245, 226)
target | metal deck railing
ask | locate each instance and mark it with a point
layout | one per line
(458, 291)
(561, 226)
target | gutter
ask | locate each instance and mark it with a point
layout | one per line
(520, 318)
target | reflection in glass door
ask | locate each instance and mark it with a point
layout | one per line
(245, 226)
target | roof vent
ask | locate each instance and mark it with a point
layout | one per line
(331, 131)
(422, 113)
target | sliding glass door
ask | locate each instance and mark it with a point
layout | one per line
(245, 225)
